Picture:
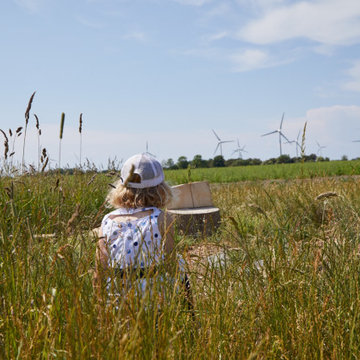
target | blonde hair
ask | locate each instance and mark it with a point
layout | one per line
(127, 197)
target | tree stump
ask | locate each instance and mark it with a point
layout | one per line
(196, 221)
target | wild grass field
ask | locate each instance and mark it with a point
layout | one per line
(286, 285)
(266, 172)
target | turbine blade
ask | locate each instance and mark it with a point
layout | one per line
(282, 119)
(216, 134)
(216, 148)
(281, 134)
(226, 141)
(272, 132)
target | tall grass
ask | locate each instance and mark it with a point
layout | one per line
(80, 133)
(62, 121)
(287, 286)
(27, 115)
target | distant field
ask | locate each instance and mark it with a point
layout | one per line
(263, 172)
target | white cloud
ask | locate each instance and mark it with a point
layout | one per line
(334, 127)
(251, 59)
(193, 2)
(260, 5)
(218, 10)
(89, 23)
(240, 60)
(217, 36)
(354, 73)
(135, 35)
(30, 5)
(329, 22)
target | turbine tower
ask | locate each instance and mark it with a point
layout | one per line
(239, 150)
(147, 150)
(281, 134)
(298, 146)
(220, 142)
(319, 152)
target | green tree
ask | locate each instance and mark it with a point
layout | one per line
(198, 162)
(219, 161)
(182, 162)
(168, 164)
(283, 159)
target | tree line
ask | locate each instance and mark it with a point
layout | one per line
(218, 161)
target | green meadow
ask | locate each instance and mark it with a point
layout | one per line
(266, 172)
(282, 282)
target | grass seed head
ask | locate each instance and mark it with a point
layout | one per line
(27, 112)
(37, 124)
(62, 125)
(80, 123)
(6, 144)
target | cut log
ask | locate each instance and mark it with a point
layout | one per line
(196, 221)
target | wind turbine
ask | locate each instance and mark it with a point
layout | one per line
(279, 131)
(239, 150)
(147, 150)
(298, 146)
(220, 142)
(319, 152)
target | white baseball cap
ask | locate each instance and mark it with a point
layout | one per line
(147, 167)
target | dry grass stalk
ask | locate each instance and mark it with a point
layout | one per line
(27, 115)
(37, 124)
(80, 132)
(257, 209)
(62, 125)
(131, 173)
(71, 223)
(6, 144)
(303, 143)
(80, 123)
(62, 121)
(44, 159)
(45, 164)
(326, 195)
(27, 112)
(91, 180)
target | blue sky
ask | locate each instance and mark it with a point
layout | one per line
(169, 71)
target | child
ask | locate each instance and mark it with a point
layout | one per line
(137, 236)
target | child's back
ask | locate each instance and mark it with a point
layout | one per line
(136, 237)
